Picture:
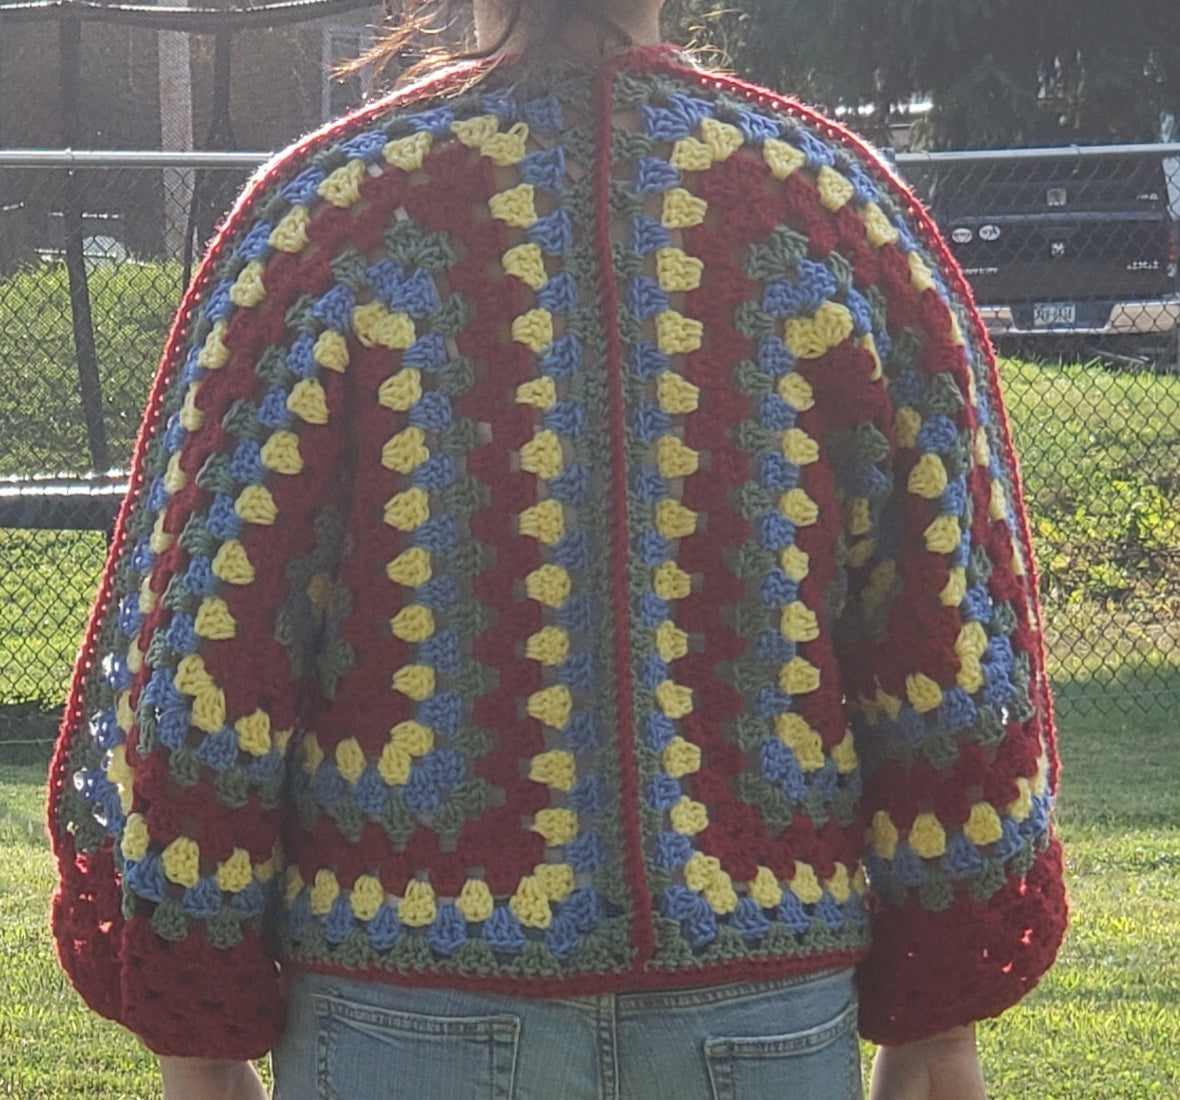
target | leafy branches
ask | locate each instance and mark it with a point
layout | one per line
(997, 72)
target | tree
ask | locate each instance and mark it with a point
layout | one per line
(996, 72)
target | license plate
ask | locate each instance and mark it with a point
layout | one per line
(1053, 314)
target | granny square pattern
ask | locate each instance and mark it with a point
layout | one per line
(574, 546)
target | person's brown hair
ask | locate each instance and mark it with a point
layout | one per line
(406, 42)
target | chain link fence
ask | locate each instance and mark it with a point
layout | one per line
(92, 268)
(1073, 254)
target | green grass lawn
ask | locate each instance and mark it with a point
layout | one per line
(1104, 1024)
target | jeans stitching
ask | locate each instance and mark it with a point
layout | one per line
(723, 1056)
(323, 1050)
(723, 994)
(608, 1049)
(499, 1035)
(720, 1071)
(792, 1043)
(502, 1046)
(413, 1023)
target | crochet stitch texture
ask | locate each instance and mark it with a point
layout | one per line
(574, 546)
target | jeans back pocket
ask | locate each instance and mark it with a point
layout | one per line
(817, 1063)
(368, 1053)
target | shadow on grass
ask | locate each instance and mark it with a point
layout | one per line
(1140, 693)
(1118, 735)
(27, 731)
(16, 825)
(22, 805)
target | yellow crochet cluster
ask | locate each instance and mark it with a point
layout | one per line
(545, 457)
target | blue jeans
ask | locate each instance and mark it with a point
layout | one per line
(791, 1039)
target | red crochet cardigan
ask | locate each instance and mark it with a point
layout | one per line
(574, 546)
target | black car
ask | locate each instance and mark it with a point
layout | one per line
(1066, 241)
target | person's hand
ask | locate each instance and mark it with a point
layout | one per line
(210, 1079)
(944, 1067)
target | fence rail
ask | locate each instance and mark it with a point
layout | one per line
(1072, 253)
(149, 158)
(906, 161)
(128, 158)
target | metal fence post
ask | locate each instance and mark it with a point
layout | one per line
(89, 384)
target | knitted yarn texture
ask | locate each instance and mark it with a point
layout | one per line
(574, 546)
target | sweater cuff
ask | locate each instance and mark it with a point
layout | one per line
(183, 997)
(191, 999)
(931, 971)
(87, 922)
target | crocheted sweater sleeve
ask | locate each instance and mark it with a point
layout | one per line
(946, 685)
(167, 787)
